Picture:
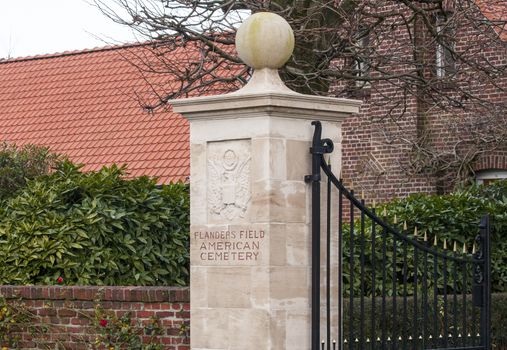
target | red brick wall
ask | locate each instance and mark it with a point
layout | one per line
(68, 311)
(374, 152)
(376, 159)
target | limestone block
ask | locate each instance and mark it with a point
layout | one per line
(298, 330)
(198, 209)
(269, 159)
(203, 131)
(207, 321)
(199, 283)
(261, 201)
(290, 287)
(277, 245)
(249, 329)
(260, 152)
(260, 297)
(298, 160)
(278, 201)
(288, 201)
(277, 159)
(278, 329)
(229, 287)
(298, 240)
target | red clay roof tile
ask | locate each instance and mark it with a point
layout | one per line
(84, 104)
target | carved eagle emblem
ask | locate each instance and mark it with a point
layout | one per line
(229, 185)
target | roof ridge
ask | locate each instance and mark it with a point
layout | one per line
(74, 52)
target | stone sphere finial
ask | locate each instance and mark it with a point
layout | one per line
(265, 40)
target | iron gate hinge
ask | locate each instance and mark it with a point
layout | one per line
(312, 178)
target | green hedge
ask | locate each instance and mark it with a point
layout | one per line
(453, 218)
(95, 228)
(21, 164)
(456, 217)
(499, 315)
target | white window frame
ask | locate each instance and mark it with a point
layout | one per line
(440, 56)
(491, 174)
(361, 67)
(440, 61)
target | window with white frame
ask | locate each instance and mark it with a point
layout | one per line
(361, 65)
(445, 61)
(485, 177)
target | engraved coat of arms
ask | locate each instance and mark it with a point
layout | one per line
(229, 185)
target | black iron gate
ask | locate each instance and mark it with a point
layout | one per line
(394, 287)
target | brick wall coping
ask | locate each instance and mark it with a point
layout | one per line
(109, 293)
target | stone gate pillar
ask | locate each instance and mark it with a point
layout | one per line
(250, 222)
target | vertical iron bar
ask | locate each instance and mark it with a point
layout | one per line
(362, 318)
(340, 270)
(474, 319)
(486, 307)
(384, 292)
(328, 266)
(373, 294)
(446, 320)
(404, 334)
(351, 263)
(477, 283)
(415, 323)
(314, 178)
(455, 301)
(425, 301)
(435, 301)
(464, 297)
(395, 311)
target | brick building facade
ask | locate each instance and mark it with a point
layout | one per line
(405, 142)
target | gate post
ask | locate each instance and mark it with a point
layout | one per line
(250, 244)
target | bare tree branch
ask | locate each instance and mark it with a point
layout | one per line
(395, 51)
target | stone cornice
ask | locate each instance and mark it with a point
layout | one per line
(286, 105)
